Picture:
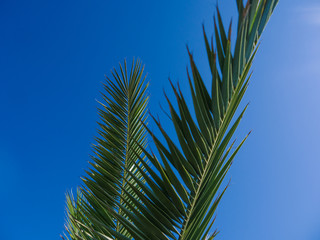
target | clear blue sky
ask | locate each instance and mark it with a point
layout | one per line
(53, 57)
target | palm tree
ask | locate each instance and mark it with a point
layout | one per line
(133, 193)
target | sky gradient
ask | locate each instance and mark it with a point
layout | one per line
(53, 58)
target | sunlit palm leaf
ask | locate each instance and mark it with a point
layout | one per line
(181, 195)
(176, 195)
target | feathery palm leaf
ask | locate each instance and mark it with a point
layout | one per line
(176, 195)
(122, 135)
(181, 195)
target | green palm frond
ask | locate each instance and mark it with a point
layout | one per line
(181, 192)
(175, 195)
(121, 136)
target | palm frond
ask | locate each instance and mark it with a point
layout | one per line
(181, 190)
(176, 194)
(121, 136)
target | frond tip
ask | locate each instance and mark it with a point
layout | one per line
(117, 151)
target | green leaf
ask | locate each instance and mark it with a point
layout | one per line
(132, 193)
(122, 135)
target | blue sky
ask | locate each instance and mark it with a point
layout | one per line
(53, 58)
